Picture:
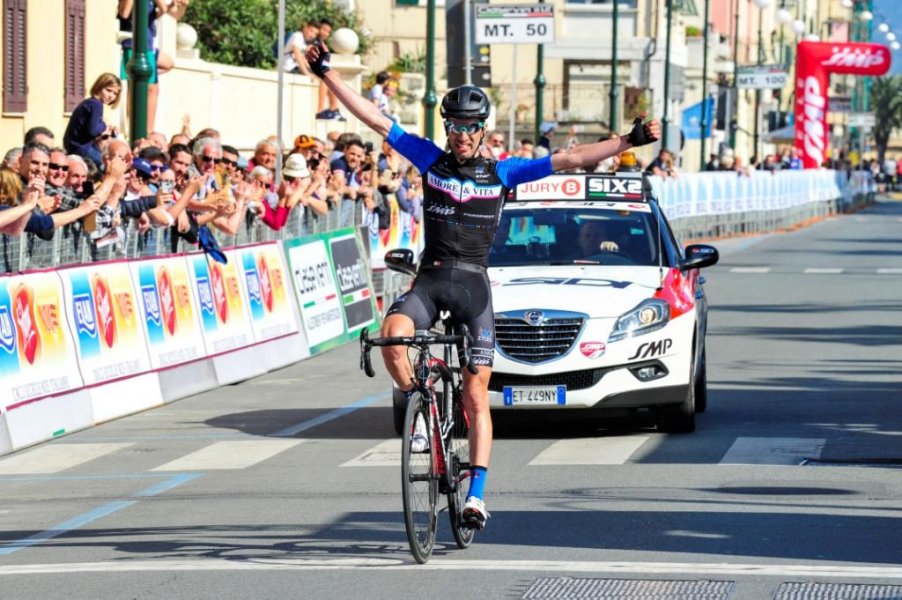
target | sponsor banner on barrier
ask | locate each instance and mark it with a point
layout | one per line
(353, 283)
(168, 311)
(405, 232)
(264, 278)
(37, 353)
(224, 315)
(103, 319)
(330, 280)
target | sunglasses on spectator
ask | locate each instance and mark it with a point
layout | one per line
(207, 158)
(56, 167)
(160, 168)
(227, 161)
(103, 136)
(468, 128)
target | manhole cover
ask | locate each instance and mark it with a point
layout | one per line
(599, 589)
(837, 591)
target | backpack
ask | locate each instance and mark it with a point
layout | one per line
(275, 46)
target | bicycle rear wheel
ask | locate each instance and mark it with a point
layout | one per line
(419, 484)
(459, 457)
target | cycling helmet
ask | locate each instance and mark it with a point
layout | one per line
(466, 102)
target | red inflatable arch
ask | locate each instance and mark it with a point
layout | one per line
(814, 64)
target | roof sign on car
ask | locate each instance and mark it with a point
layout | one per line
(553, 187)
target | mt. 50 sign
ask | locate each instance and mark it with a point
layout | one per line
(522, 24)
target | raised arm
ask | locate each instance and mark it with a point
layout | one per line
(318, 57)
(589, 155)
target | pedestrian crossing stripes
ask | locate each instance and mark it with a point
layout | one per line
(229, 455)
(585, 451)
(590, 451)
(750, 270)
(822, 271)
(54, 458)
(773, 451)
(889, 271)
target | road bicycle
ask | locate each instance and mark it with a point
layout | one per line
(445, 464)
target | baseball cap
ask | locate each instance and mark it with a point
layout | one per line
(304, 141)
(296, 166)
(142, 165)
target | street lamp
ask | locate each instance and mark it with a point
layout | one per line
(761, 4)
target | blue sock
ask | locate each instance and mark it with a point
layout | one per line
(477, 482)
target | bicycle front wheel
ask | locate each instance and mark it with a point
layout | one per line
(419, 481)
(459, 456)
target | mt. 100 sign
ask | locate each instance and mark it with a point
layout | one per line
(526, 24)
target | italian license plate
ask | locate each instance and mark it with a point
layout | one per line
(549, 394)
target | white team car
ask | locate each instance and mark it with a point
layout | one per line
(593, 308)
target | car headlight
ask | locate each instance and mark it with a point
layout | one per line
(649, 316)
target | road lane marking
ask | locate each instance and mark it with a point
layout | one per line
(772, 451)
(55, 458)
(384, 454)
(822, 271)
(289, 563)
(329, 416)
(750, 270)
(889, 271)
(83, 519)
(223, 456)
(590, 451)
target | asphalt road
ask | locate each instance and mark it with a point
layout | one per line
(287, 485)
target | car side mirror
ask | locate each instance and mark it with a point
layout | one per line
(401, 260)
(699, 256)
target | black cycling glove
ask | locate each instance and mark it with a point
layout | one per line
(321, 65)
(639, 135)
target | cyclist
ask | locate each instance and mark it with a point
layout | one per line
(464, 192)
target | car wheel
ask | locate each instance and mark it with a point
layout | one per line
(701, 386)
(399, 409)
(679, 418)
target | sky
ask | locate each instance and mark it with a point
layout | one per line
(891, 11)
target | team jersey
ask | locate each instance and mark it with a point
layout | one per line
(462, 201)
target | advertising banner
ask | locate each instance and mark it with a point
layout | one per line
(224, 315)
(168, 311)
(405, 232)
(332, 286)
(263, 273)
(103, 320)
(37, 353)
(353, 283)
(814, 63)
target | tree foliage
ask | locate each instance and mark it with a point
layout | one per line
(242, 32)
(886, 98)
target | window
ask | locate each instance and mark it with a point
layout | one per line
(15, 56)
(75, 53)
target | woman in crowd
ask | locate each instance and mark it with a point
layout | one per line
(86, 129)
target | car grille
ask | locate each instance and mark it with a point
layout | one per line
(527, 343)
(574, 380)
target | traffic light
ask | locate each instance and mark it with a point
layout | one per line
(455, 34)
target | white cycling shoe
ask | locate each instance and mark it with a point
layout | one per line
(419, 441)
(474, 513)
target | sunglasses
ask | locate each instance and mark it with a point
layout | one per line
(56, 167)
(468, 128)
(159, 168)
(211, 159)
(103, 136)
(228, 162)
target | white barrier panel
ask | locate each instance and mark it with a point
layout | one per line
(168, 311)
(48, 418)
(125, 397)
(6, 444)
(103, 319)
(721, 193)
(264, 277)
(187, 380)
(37, 354)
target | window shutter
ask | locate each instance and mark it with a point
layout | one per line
(75, 53)
(15, 56)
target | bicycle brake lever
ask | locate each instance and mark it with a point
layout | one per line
(365, 362)
(465, 344)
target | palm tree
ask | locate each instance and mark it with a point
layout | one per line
(886, 98)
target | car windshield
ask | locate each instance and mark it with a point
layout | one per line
(556, 236)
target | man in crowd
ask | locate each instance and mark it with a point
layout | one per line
(345, 170)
